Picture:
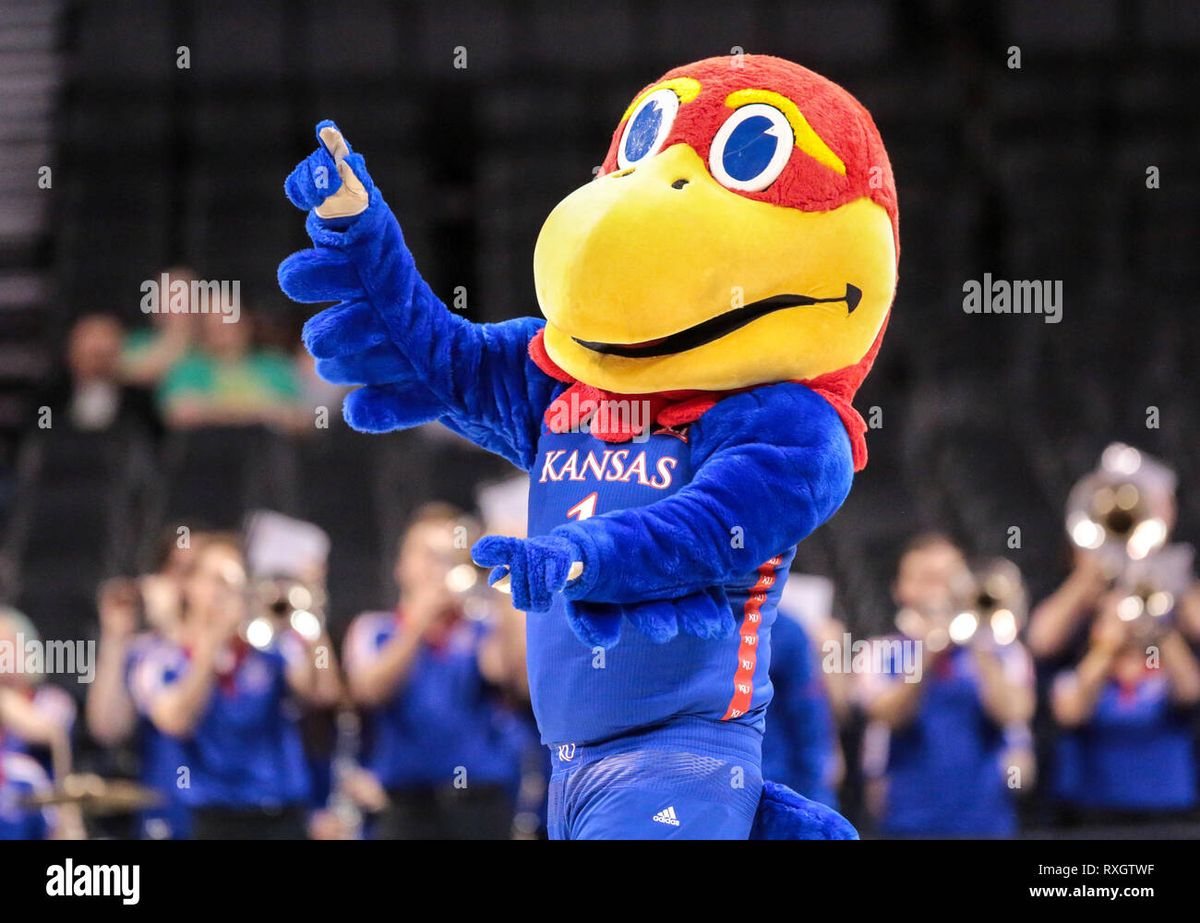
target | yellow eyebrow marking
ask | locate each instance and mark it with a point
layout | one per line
(686, 88)
(806, 138)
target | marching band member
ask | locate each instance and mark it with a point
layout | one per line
(232, 706)
(112, 717)
(1127, 706)
(943, 721)
(441, 741)
(20, 777)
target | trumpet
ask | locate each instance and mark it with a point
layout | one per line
(278, 604)
(1122, 511)
(465, 581)
(992, 601)
(986, 601)
(1151, 588)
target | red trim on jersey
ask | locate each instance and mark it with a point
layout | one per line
(226, 678)
(437, 636)
(743, 677)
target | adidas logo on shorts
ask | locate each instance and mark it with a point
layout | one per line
(667, 816)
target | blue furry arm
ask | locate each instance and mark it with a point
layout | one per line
(771, 465)
(418, 360)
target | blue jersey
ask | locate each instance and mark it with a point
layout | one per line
(21, 776)
(54, 705)
(160, 756)
(944, 769)
(444, 719)
(583, 695)
(246, 749)
(1135, 754)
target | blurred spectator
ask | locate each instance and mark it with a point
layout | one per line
(148, 353)
(40, 717)
(226, 381)
(91, 397)
(1127, 706)
(800, 744)
(441, 740)
(137, 618)
(233, 707)
(941, 717)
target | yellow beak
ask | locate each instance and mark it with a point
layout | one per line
(662, 250)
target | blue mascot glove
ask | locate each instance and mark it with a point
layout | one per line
(333, 180)
(349, 341)
(537, 568)
(705, 615)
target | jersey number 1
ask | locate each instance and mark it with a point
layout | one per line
(584, 509)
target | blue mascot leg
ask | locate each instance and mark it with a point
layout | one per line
(785, 815)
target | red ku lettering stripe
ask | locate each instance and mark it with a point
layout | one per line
(743, 677)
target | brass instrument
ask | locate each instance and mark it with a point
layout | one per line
(993, 603)
(95, 796)
(1123, 511)
(465, 581)
(287, 559)
(279, 604)
(1152, 587)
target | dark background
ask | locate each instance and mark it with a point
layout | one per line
(1030, 173)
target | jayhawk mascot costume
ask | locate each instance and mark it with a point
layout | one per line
(712, 300)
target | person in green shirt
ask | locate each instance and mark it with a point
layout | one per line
(226, 381)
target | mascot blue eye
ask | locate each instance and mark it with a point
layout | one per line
(751, 149)
(647, 128)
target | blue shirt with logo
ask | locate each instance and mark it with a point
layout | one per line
(944, 770)
(445, 722)
(20, 777)
(246, 750)
(1135, 754)
(160, 756)
(586, 695)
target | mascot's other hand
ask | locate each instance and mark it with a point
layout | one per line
(536, 568)
(704, 615)
(333, 180)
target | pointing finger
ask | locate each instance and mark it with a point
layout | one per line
(334, 143)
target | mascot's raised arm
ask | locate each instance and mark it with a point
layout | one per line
(712, 301)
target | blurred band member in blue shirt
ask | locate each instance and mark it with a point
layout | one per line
(942, 718)
(438, 734)
(21, 776)
(136, 618)
(1127, 754)
(233, 707)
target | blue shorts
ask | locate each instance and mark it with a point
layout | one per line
(691, 779)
